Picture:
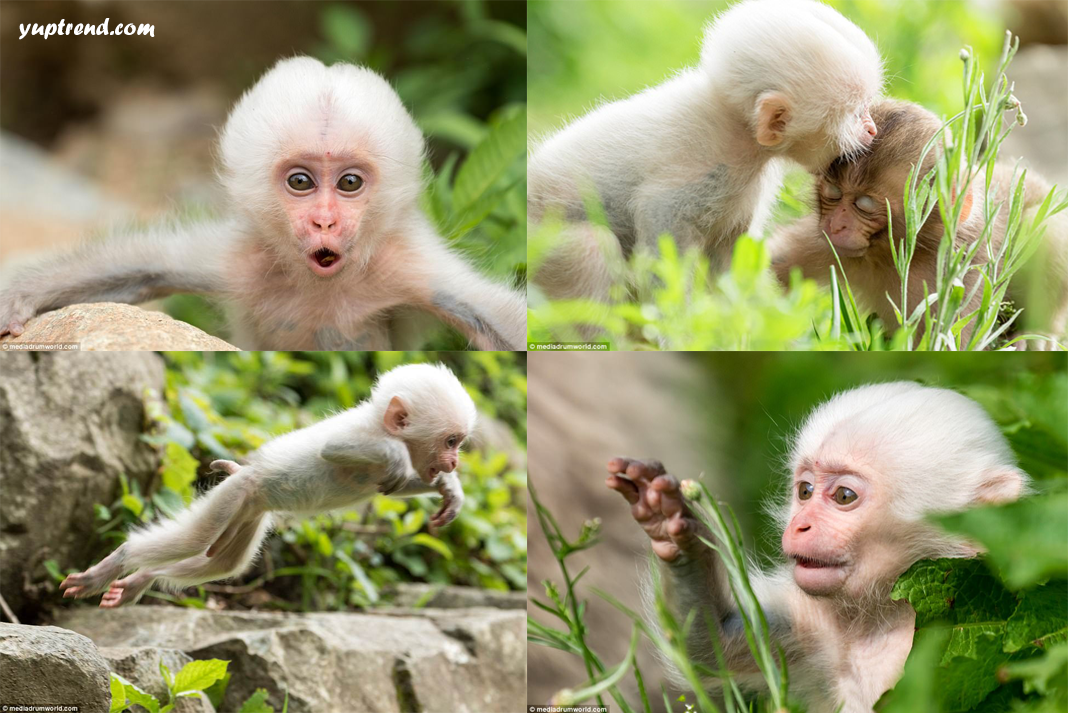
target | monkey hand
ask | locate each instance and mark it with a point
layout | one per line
(452, 495)
(15, 309)
(657, 504)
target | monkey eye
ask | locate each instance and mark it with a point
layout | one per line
(350, 183)
(300, 182)
(844, 496)
(452, 441)
(830, 191)
(866, 204)
(804, 490)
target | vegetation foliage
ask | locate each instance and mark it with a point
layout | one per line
(674, 303)
(992, 632)
(225, 405)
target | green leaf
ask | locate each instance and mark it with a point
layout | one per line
(957, 591)
(133, 504)
(257, 703)
(118, 694)
(432, 543)
(136, 696)
(916, 691)
(1041, 617)
(1027, 540)
(1045, 675)
(199, 675)
(487, 163)
(347, 29)
(179, 470)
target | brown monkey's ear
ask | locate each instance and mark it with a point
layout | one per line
(1001, 486)
(396, 419)
(772, 114)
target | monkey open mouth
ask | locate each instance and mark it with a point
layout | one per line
(324, 261)
(813, 563)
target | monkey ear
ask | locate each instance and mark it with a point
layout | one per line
(396, 419)
(1001, 486)
(772, 115)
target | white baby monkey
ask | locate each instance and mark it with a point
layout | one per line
(696, 157)
(404, 440)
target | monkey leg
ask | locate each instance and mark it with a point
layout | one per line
(230, 561)
(195, 529)
(97, 578)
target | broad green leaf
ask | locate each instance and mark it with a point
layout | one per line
(179, 470)
(199, 675)
(1027, 540)
(432, 543)
(1041, 617)
(118, 694)
(916, 691)
(257, 703)
(487, 163)
(956, 591)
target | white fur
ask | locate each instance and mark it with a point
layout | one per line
(682, 157)
(921, 450)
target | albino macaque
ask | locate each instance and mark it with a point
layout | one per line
(326, 248)
(852, 194)
(696, 156)
(865, 469)
(402, 441)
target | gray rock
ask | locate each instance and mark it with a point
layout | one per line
(112, 327)
(432, 596)
(70, 424)
(46, 665)
(437, 661)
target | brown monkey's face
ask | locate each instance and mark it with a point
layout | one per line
(837, 535)
(325, 198)
(853, 210)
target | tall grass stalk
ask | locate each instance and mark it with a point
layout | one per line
(968, 146)
(668, 635)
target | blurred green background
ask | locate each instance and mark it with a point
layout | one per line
(584, 53)
(225, 405)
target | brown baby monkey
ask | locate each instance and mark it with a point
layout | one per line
(852, 195)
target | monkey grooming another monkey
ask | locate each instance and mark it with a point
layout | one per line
(697, 157)
(402, 441)
(866, 468)
(852, 193)
(326, 244)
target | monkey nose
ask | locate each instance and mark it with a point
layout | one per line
(451, 462)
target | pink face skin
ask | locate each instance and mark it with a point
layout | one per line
(442, 456)
(325, 197)
(833, 510)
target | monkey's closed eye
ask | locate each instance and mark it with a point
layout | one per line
(844, 496)
(300, 182)
(804, 490)
(866, 204)
(830, 191)
(350, 183)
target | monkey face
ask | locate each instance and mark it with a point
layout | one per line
(853, 208)
(325, 198)
(829, 511)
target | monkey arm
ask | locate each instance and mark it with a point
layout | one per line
(803, 245)
(386, 459)
(698, 583)
(491, 315)
(447, 485)
(131, 269)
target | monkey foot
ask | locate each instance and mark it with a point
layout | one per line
(83, 584)
(124, 591)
